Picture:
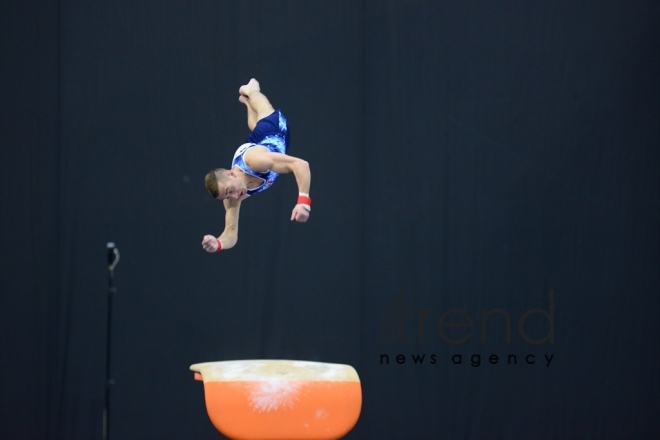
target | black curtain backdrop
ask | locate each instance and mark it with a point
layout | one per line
(492, 165)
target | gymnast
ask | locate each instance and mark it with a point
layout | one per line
(256, 166)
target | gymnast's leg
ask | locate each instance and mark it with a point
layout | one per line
(258, 106)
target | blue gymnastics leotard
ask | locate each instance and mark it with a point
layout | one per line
(271, 132)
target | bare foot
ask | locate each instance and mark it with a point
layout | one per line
(252, 86)
(244, 99)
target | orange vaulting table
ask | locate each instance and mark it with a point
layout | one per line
(280, 399)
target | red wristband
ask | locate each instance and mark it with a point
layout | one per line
(219, 245)
(304, 200)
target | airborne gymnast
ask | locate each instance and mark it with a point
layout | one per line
(255, 167)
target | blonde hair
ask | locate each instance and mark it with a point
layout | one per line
(211, 180)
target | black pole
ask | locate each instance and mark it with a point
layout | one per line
(113, 259)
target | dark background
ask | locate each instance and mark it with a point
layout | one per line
(465, 154)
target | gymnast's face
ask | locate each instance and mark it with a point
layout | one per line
(232, 188)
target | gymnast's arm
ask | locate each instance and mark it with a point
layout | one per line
(229, 236)
(260, 159)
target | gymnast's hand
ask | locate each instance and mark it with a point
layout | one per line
(299, 214)
(210, 243)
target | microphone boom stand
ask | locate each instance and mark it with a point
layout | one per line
(113, 259)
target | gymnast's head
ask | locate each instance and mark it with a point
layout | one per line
(224, 184)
